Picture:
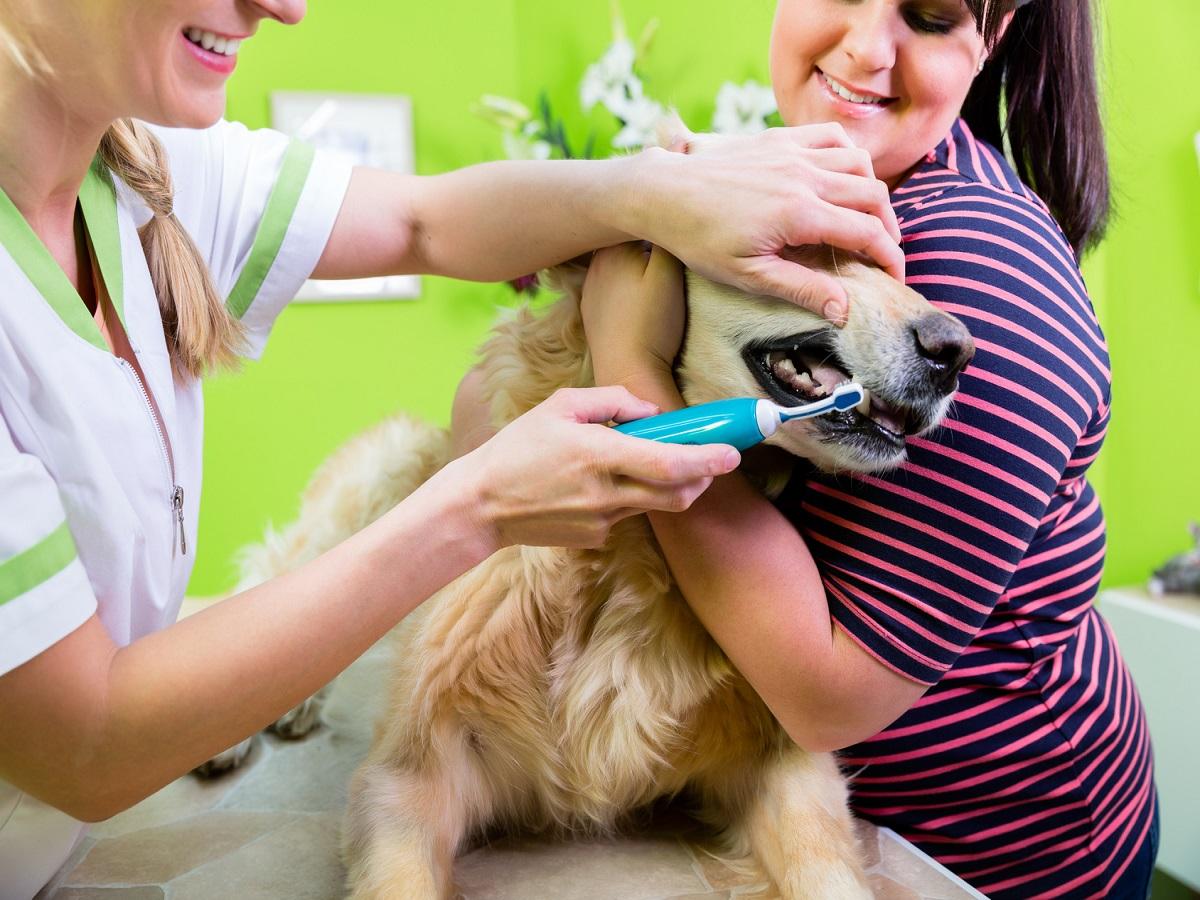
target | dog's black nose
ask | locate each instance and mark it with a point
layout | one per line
(945, 346)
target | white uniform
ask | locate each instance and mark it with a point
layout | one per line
(89, 485)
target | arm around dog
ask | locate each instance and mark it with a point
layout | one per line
(743, 568)
(751, 580)
(728, 210)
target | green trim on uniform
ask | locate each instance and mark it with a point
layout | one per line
(39, 563)
(98, 200)
(297, 162)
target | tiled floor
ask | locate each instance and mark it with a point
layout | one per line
(270, 830)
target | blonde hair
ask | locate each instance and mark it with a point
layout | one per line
(201, 333)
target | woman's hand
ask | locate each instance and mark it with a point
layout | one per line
(633, 314)
(727, 206)
(558, 477)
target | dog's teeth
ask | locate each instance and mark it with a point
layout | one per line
(864, 406)
(784, 368)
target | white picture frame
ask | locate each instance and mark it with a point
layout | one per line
(366, 129)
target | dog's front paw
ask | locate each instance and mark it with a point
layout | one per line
(226, 761)
(300, 720)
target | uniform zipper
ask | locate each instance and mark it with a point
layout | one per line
(177, 526)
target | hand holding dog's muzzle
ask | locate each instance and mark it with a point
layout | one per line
(749, 199)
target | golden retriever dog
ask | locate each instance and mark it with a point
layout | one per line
(560, 690)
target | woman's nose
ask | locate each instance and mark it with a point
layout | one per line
(869, 40)
(289, 12)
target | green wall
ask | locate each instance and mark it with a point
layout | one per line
(1151, 285)
(331, 370)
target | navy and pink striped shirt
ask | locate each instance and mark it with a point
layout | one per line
(1026, 767)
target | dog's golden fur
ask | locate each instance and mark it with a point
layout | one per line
(562, 689)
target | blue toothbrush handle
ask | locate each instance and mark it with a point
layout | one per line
(720, 422)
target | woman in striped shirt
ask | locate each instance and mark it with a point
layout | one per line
(936, 623)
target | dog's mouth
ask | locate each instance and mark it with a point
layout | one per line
(805, 367)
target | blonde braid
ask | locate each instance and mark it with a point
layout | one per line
(201, 333)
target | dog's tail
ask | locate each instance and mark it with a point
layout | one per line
(361, 481)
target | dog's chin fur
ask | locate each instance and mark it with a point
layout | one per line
(555, 689)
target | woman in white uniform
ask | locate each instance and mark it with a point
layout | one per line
(134, 258)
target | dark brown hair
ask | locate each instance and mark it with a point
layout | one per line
(1039, 90)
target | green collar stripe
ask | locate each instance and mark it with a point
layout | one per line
(39, 563)
(98, 198)
(297, 162)
(99, 202)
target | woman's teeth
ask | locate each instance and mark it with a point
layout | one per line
(215, 43)
(847, 94)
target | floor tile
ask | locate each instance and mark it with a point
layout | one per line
(621, 869)
(112, 893)
(157, 855)
(307, 775)
(298, 862)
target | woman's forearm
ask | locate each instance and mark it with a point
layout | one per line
(749, 578)
(729, 208)
(235, 667)
(496, 221)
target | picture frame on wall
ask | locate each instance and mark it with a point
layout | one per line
(366, 129)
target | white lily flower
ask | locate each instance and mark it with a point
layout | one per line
(518, 146)
(503, 111)
(627, 99)
(606, 81)
(525, 144)
(641, 118)
(743, 109)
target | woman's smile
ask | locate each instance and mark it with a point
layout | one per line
(894, 81)
(848, 101)
(212, 50)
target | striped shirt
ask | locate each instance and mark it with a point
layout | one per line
(1026, 767)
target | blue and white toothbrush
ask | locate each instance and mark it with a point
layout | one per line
(741, 422)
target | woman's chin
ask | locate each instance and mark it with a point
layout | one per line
(197, 110)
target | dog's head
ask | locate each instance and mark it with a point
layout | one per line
(897, 345)
(902, 349)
